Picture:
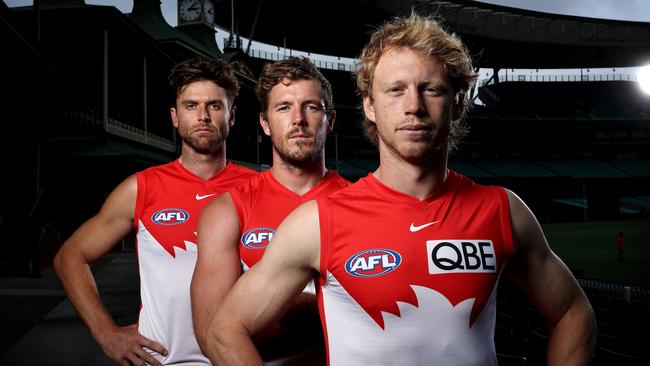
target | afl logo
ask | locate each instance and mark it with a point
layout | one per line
(257, 238)
(170, 216)
(373, 262)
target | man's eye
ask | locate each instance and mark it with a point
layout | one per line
(215, 107)
(434, 90)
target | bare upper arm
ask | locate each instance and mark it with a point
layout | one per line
(535, 268)
(218, 231)
(265, 292)
(218, 251)
(101, 232)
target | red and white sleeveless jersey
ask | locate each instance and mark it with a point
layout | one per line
(263, 203)
(410, 282)
(169, 202)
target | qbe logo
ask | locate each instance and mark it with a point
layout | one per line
(373, 262)
(170, 216)
(461, 256)
(257, 238)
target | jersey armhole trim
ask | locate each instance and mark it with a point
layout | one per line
(506, 225)
(324, 224)
(141, 184)
(238, 203)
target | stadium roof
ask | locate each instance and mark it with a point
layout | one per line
(497, 36)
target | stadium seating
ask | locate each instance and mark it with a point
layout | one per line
(622, 313)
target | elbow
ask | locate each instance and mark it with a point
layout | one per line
(199, 322)
(590, 325)
(59, 263)
(587, 317)
(580, 322)
(211, 340)
(200, 334)
(65, 262)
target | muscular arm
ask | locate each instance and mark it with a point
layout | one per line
(552, 289)
(217, 266)
(88, 243)
(264, 293)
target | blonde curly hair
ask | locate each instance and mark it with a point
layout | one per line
(426, 35)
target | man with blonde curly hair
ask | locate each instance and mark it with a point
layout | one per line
(429, 39)
(407, 259)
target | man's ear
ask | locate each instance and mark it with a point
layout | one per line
(233, 111)
(265, 124)
(331, 118)
(457, 108)
(369, 108)
(172, 112)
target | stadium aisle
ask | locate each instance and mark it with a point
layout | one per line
(34, 335)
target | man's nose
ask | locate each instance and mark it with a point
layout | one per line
(298, 116)
(204, 114)
(413, 102)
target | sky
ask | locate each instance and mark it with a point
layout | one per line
(635, 10)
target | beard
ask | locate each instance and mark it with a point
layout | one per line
(205, 144)
(300, 153)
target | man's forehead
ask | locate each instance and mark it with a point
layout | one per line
(306, 88)
(396, 63)
(202, 89)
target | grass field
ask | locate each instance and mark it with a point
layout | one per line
(591, 248)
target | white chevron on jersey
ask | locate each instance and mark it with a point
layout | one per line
(165, 295)
(432, 333)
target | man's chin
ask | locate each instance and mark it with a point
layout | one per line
(204, 146)
(301, 158)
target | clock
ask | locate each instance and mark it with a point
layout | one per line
(208, 11)
(189, 10)
(196, 11)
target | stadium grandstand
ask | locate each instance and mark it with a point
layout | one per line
(558, 118)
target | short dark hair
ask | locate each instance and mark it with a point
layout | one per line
(292, 68)
(203, 68)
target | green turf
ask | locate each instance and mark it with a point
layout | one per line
(591, 248)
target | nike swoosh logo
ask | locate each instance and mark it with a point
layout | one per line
(198, 198)
(420, 227)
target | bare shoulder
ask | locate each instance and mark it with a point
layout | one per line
(101, 232)
(517, 205)
(121, 202)
(220, 206)
(218, 226)
(526, 231)
(128, 186)
(305, 213)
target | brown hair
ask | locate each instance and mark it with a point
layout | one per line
(292, 68)
(203, 68)
(425, 35)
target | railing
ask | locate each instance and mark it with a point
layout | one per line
(132, 133)
(124, 130)
(274, 53)
(615, 291)
(577, 75)
(275, 56)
